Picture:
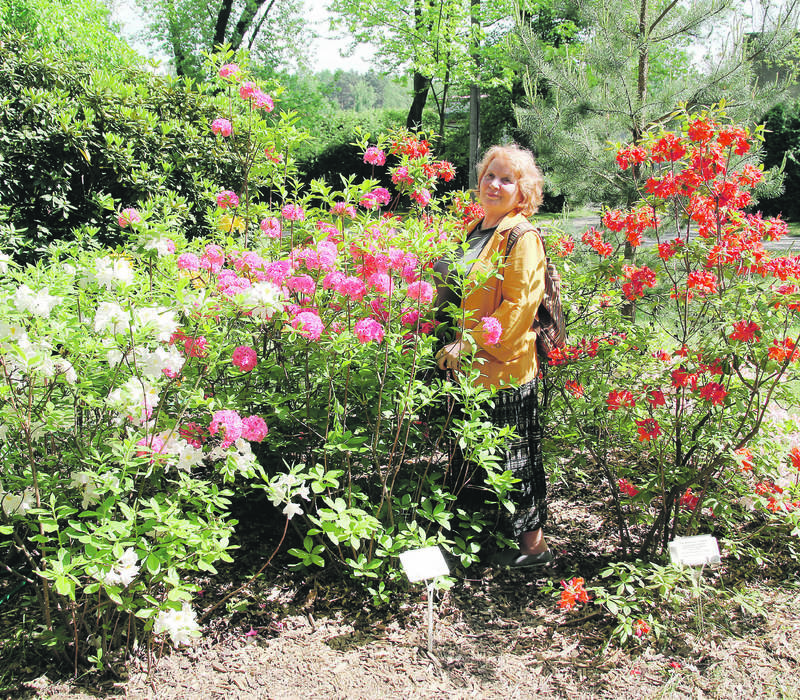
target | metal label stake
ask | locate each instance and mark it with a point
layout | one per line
(425, 565)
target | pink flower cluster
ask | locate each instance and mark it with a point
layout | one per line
(231, 426)
(245, 358)
(379, 197)
(271, 227)
(129, 216)
(368, 329)
(293, 212)
(374, 156)
(230, 70)
(222, 127)
(308, 324)
(492, 330)
(260, 99)
(227, 198)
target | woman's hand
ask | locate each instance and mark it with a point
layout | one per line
(449, 357)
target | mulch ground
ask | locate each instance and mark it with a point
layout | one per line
(498, 634)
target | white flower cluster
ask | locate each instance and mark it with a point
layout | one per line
(39, 303)
(160, 321)
(179, 452)
(17, 503)
(163, 246)
(113, 272)
(263, 299)
(153, 364)
(241, 454)
(5, 259)
(181, 625)
(86, 482)
(135, 400)
(26, 356)
(284, 487)
(124, 571)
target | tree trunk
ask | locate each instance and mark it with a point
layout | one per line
(223, 17)
(474, 102)
(421, 87)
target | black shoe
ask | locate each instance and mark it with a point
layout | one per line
(513, 559)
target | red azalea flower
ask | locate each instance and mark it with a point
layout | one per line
(713, 392)
(745, 331)
(640, 628)
(649, 429)
(627, 488)
(618, 399)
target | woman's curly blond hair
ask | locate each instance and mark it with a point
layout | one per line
(529, 178)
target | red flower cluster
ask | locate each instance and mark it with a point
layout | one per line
(783, 351)
(669, 248)
(439, 169)
(794, 455)
(702, 282)
(637, 279)
(630, 155)
(640, 628)
(574, 388)
(588, 348)
(411, 147)
(627, 488)
(562, 246)
(619, 399)
(573, 593)
(634, 222)
(713, 392)
(594, 239)
(649, 429)
(744, 458)
(745, 331)
(689, 500)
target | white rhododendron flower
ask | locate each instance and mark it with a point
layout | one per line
(263, 299)
(64, 366)
(84, 481)
(181, 625)
(113, 272)
(159, 319)
(124, 571)
(160, 361)
(4, 260)
(17, 503)
(12, 333)
(135, 400)
(39, 303)
(113, 316)
(189, 457)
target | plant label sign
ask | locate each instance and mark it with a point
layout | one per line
(698, 550)
(421, 564)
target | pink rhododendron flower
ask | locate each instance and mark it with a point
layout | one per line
(193, 433)
(410, 317)
(421, 197)
(344, 209)
(333, 280)
(381, 282)
(420, 291)
(303, 284)
(222, 127)
(379, 311)
(352, 287)
(254, 429)
(271, 227)
(368, 329)
(195, 347)
(152, 446)
(401, 176)
(129, 216)
(245, 358)
(230, 70)
(374, 156)
(492, 330)
(247, 89)
(293, 212)
(189, 262)
(227, 198)
(308, 324)
(229, 424)
(261, 100)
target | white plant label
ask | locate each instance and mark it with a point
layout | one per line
(698, 550)
(421, 564)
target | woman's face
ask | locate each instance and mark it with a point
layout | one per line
(498, 191)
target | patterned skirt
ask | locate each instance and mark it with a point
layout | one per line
(518, 408)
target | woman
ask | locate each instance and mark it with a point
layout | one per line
(509, 190)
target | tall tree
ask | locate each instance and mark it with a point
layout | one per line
(274, 31)
(638, 62)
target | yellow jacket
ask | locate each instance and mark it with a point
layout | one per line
(512, 295)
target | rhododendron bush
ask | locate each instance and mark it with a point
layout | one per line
(683, 408)
(142, 388)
